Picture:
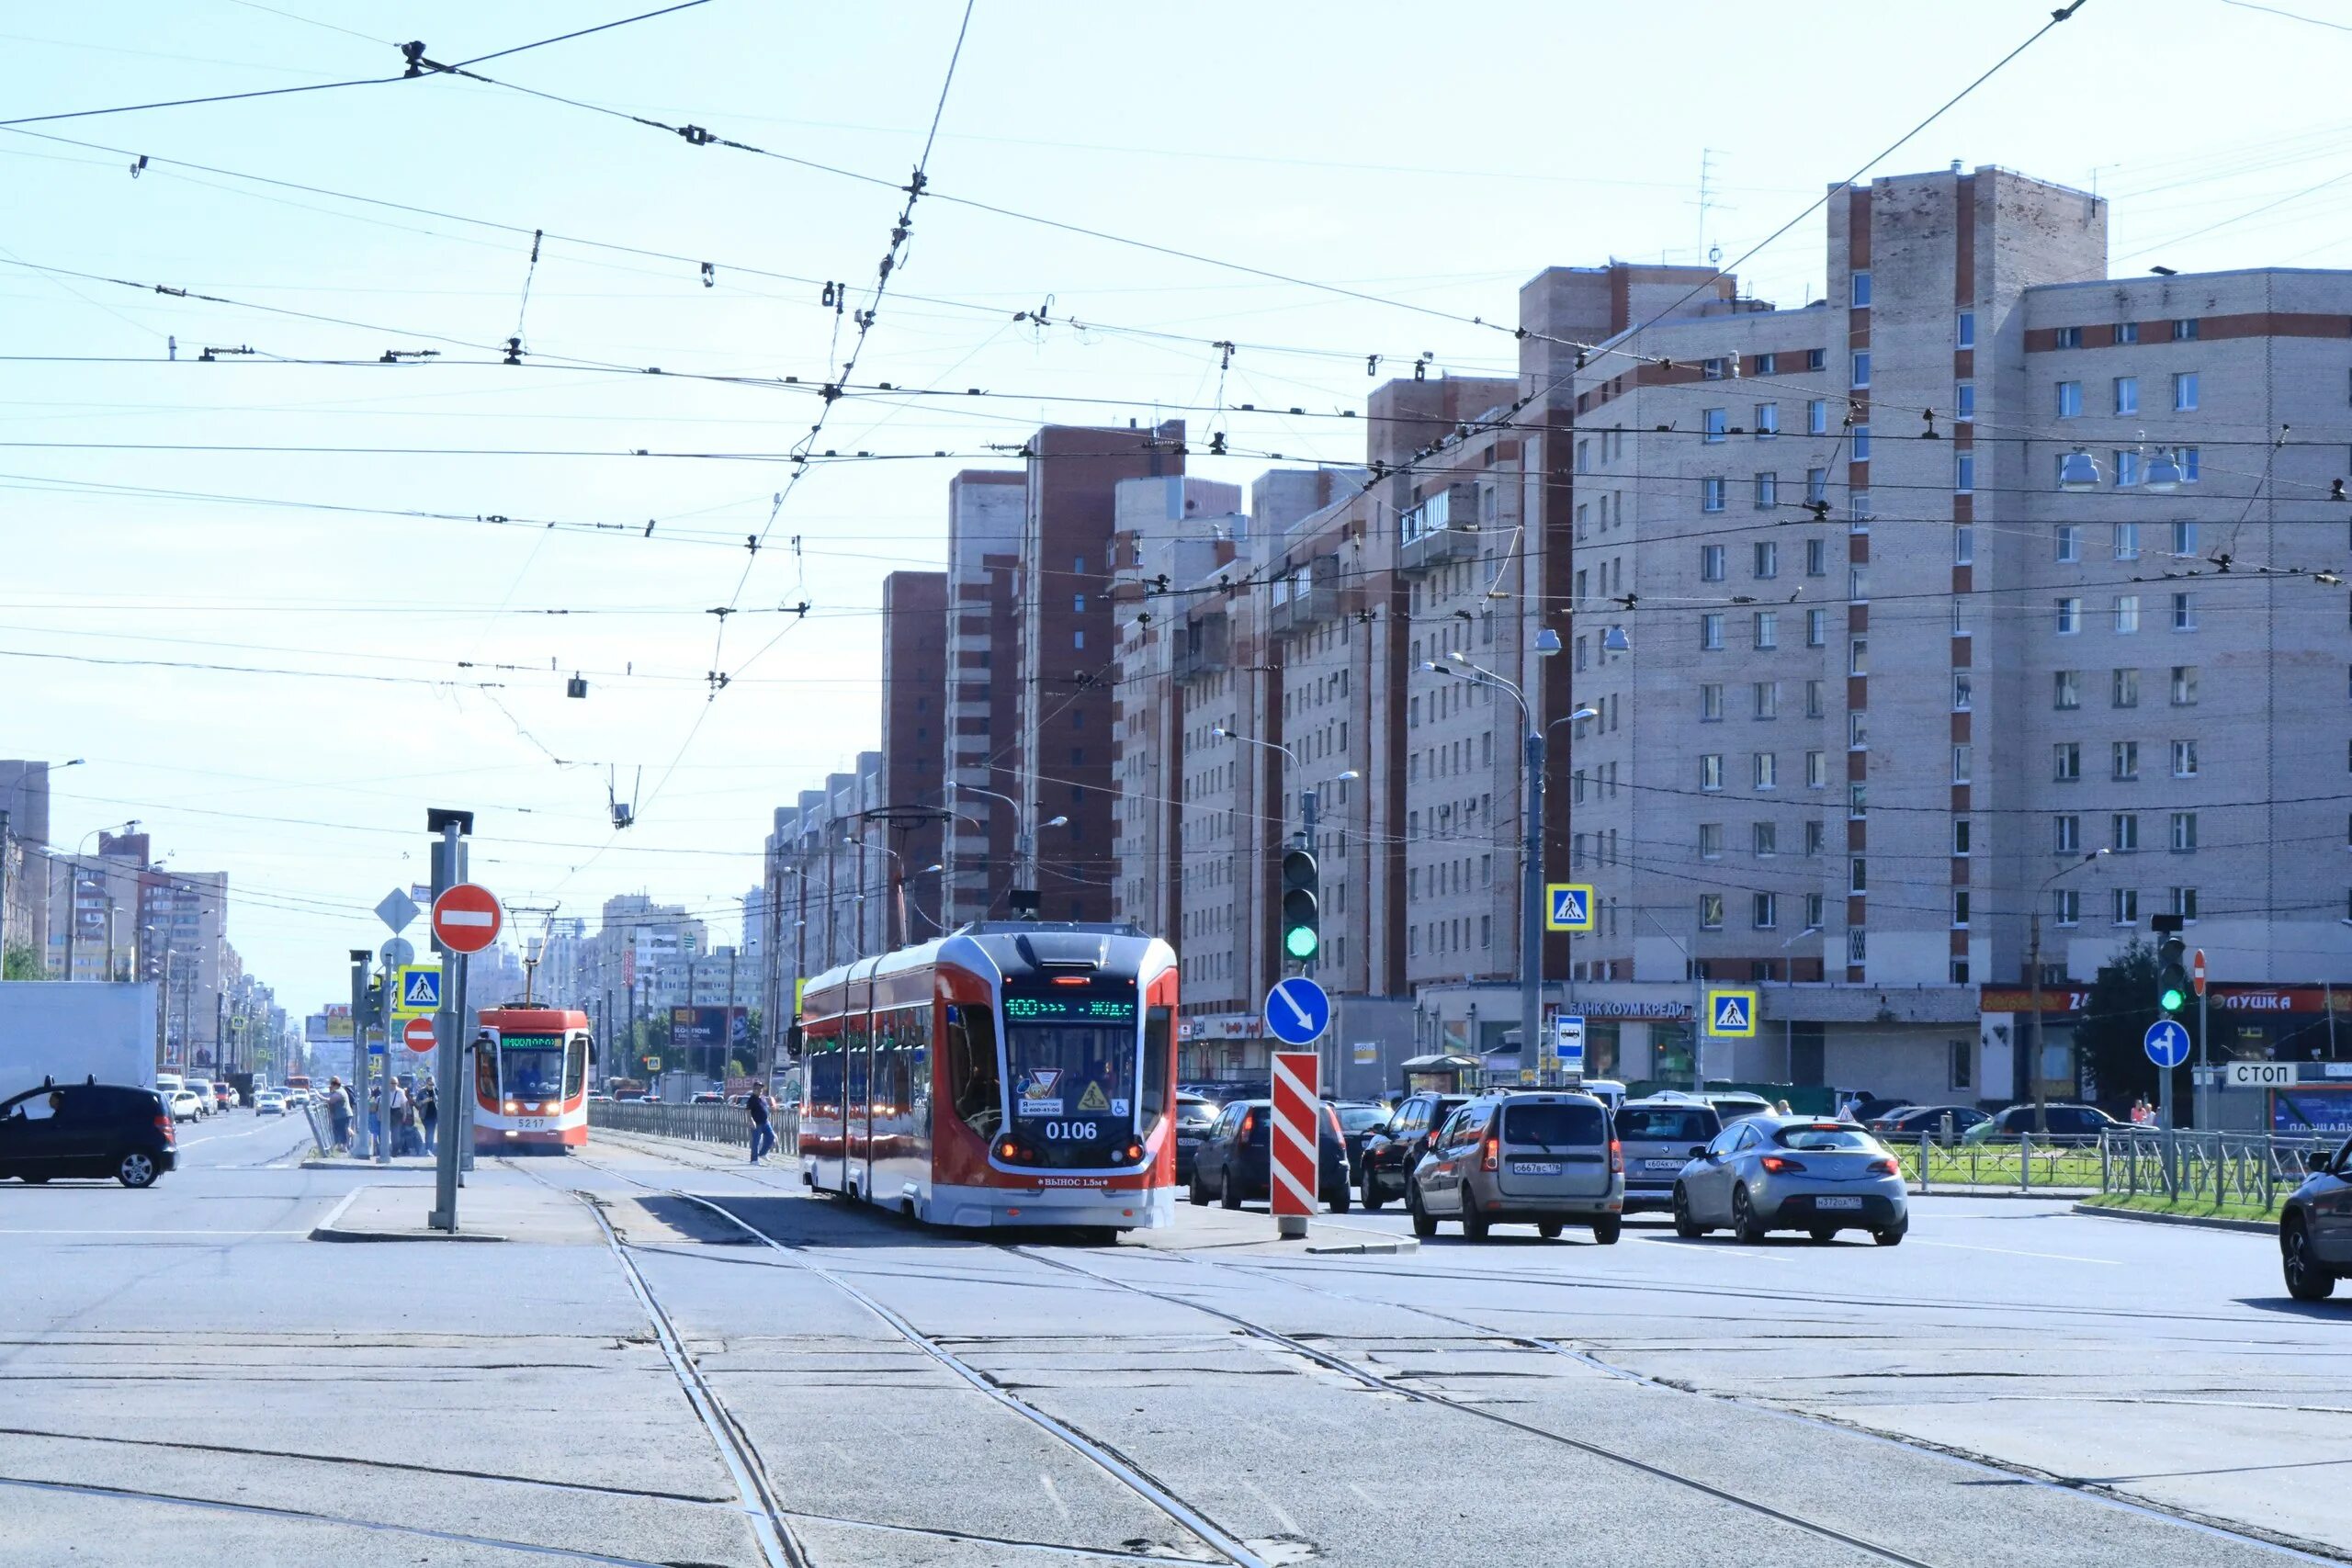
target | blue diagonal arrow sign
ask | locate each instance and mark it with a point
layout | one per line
(1297, 1011)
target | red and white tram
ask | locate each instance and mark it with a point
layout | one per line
(1011, 1073)
(530, 1080)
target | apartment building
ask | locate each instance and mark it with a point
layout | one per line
(908, 828)
(986, 513)
(24, 844)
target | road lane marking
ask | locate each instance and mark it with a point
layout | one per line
(2013, 1252)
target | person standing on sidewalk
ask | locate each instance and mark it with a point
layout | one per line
(763, 1134)
(428, 1114)
(339, 1114)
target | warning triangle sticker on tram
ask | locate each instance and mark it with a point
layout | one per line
(1093, 1098)
(1041, 1083)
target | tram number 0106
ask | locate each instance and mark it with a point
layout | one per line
(1079, 1131)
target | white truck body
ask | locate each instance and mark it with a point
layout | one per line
(77, 1030)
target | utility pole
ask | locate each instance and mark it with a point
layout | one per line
(358, 1091)
(6, 847)
(450, 1027)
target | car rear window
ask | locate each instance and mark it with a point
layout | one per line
(1558, 1123)
(1363, 1118)
(1665, 1125)
(1825, 1135)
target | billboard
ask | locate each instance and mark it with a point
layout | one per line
(2312, 1111)
(338, 1017)
(708, 1027)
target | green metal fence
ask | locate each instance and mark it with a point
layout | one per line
(2217, 1168)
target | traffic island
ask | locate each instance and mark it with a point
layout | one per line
(2199, 1212)
(399, 1213)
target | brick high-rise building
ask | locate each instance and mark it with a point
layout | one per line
(986, 510)
(914, 745)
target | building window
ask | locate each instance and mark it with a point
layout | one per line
(1710, 495)
(2186, 457)
(1767, 770)
(1959, 614)
(2123, 757)
(1861, 436)
(1858, 729)
(2184, 392)
(1768, 418)
(1817, 628)
(1768, 557)
(1710, 771)
(2066, 905)
(1816, 557)
(2183, 614)
(1858, 800)
(2066, 835)
(1857, 657)
(1767, 699)
(1961, 1057)
(1964, 545)
(1861, 369)
(1861, 291)
(1812, 699)
(1817, 770)
(1967, 334)
(1714, 369)
(2069, 338)
(2127, 906)
(1711, 563)
(2184, 538)
(2066, 762)
(2127, 469)
(2184, 903)
(1964, 472)
(2184, 758)
(1711, 703)
(1857, 945)
(2123, 689)
(1711, 840)
(1817, 839)
(2070, 399)
(1964, 691)
(2127, 613)
(1963, 761)
(1713, 424)
(2127, 332)
(2070, 616)
(1959, 837)
(2184, 685)
(1963, 401)
(2123, 833)
(1857, 876)
(1858, 511)
(1857, 585)
(1768, 490)
(1768, 629)
(1767, 910)
(2184, 831)
(2127, 541)
(1765, 836)
(1768, 364)
(1959, 907)
(1710, 631)
(2069, 539)
(1817, 416)
(1711, 911)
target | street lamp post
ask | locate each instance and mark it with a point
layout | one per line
(2033, 979)
(74, 890)
(1531, 913)
(1025, 841)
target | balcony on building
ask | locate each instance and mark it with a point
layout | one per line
(1203, 647)
(1444, 528)
(1308, 592)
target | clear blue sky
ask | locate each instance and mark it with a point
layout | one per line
(1433, 159)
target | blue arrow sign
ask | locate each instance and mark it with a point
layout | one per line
(2167, 1043)
(1297, 1011)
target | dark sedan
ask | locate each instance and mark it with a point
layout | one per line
(1390, 1152)
(2315, 1228)
(1234, 1163)
(1194, 1116)
(1358, 1120)
(1913, 1120)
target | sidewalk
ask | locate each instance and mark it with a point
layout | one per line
(397, 1212)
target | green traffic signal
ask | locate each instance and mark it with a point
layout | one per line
(2172, 998)
(1301, 942)
(1301, 916)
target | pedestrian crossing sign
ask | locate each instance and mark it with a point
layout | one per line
(1731, 1015)
(419, 992)
(1568, 906)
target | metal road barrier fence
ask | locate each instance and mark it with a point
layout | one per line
(2031, 1164)
(2218, 1167)
(730, 1124)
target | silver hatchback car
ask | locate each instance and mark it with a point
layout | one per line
(1808, 1173)
(1537, 1159)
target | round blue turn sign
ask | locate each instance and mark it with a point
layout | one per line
(1297, 1011)
(2167, 1043)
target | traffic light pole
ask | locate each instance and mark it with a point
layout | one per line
(1531, 913)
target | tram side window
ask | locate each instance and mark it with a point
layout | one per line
(486, 1074)
(575, 1066)
(825, 1075)
(1158, 1066)
(854, 1041)
(972, 1077)
(918, 1058)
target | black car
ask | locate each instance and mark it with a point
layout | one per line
(86, 1129)
(2316, 1227)
(1390, 1152)
(1911, 1121)
(1358, 1120)
(1232, 1162)
(2074, 1125)
(1194, 1116)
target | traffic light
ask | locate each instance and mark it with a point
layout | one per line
(1301, 939)
(2172, 975)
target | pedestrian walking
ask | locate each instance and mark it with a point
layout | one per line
(1782, 1109)
(339, 1114)
(376, 1119)
(428, 1116)
(763, 1132)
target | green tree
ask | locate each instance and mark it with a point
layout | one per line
(22, 963)
(2111, 1031)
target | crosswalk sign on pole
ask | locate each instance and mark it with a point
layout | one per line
(1567, 907)
(1731, 1014)
(418, 992)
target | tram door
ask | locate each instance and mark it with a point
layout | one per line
(857, 1113)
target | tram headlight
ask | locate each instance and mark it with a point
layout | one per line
(512, 1107)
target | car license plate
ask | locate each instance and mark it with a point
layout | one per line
(1532, 1167)
(1837, 1202)
(1661, 1165)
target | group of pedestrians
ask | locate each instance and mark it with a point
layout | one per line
(416, 1119)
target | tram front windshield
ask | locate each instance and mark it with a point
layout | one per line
(1071, 1061)
(530, 1067)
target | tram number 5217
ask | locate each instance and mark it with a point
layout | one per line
(1079, 1132)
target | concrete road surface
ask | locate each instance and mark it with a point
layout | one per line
(633, 1377)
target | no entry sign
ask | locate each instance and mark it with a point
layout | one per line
(1299, 1125)
(417, 1034)
(467, 919)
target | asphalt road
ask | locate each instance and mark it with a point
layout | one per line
(779, 1379)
